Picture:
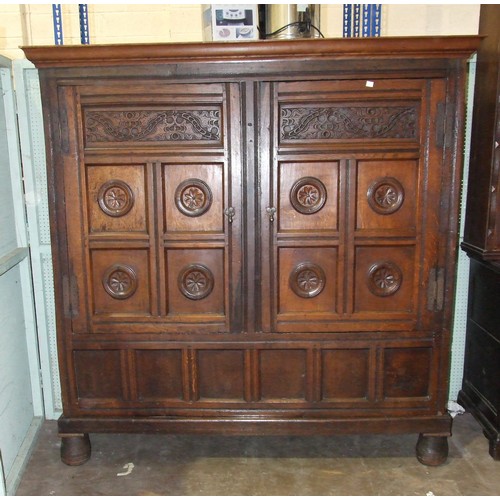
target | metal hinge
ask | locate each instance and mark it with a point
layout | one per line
(435, 291)
(70, 296)
(440, 124)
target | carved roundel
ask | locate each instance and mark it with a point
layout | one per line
(115, 198)
(193, 197)
(386, 195)
(384, 278)
(195, 281)
(308, 195)
(307, 280)
(120, 281)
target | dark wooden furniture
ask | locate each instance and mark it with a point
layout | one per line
(481, 385)
(480, 392)
(255, 238)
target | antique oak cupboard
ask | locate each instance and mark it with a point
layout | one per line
(255, 238)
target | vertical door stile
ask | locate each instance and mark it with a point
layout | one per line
(266, 158)
(349, 238)
(153, 244)
(158, 229)
(250, 224)
(76, 220)
(235, 160)
(433, 240)
(345, 277)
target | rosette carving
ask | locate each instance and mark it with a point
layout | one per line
(308, 195)
(193, 197)
(115, 198)
(120, 281)
(384, 278)
(386, 195)
(307, 280)
(195, 281)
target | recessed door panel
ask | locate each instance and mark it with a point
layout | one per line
(196, 282)
(387, 196)
(120, 282)
(193, 197)
(307, 281)
(117, 198)
(308, 196)
(384, 279)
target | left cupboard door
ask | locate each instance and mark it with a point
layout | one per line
(149, 207)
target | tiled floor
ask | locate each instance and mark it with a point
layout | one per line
(217, 465)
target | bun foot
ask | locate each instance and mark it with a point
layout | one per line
(432, 450)
(75, 448)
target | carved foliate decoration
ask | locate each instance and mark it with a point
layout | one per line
(349, 122)
(120, 281)
(386, 195)
(115, 198)
(307, 280)
(308, 195)
(195, 281)
(193, 197)
(150, 125)
(384, 278)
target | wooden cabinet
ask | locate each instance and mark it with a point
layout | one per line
(482, 220)
(255, 238)
(480, 390)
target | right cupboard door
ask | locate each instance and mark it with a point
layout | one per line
(351, 189)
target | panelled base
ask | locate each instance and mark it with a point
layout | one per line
(432, 446)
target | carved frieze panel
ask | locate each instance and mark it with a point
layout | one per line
(152, 126)
(348, 122)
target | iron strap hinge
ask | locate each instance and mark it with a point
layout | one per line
(435, 291)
